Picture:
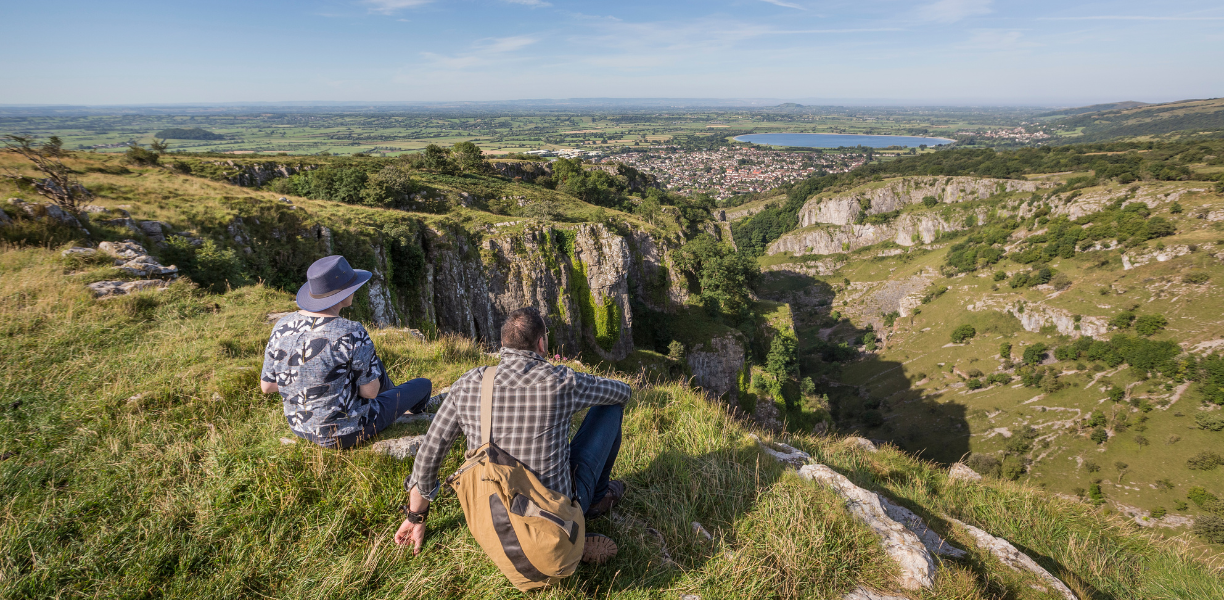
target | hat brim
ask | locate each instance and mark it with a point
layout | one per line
(305, 302)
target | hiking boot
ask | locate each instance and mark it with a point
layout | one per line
(598, 549)
(616, 491)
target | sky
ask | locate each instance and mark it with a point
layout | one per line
(915, 52)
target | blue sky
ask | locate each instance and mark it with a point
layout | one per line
(1066, 52)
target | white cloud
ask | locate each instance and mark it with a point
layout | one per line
(387, 7)
(531, 3)
(951, 11)
(993, 39)
(784, 4)
(508, 44)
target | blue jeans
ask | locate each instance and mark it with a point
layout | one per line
(393, 401)
(593, 452)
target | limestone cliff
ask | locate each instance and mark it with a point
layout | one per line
(895, 194)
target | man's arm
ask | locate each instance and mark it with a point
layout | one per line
(268, 387)
(441, 435)
(591, 390)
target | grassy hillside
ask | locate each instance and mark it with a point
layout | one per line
(1187, 118)
(140, 461)
(1037, 422)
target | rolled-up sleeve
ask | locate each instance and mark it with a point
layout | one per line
(438, 440)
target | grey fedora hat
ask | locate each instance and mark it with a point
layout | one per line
(329, 281)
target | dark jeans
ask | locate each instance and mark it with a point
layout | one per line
(394, 400)
(593, 452)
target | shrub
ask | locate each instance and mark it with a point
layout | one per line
(1060, 282)
(891, 318)
(1211, 421)
(974, 384)
(984, 464)
(1150, 324)
(1141, 441)
(998, 379)
(1000, 275)
(1094, 494)
(929, 201)
(963, 333)
(1159, 512)
(1034, 354)
(1005, 350)
(1210, 528)
(1198, 278)
(675, 350)
(1012, 468)
(1116, 394)
(1091, 466)
(873, 418)
(1122, 320)
(137, 155)
(1099, 435)
(1204, 461)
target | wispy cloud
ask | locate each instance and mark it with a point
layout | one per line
(531, 3)
(951, 11)
(508, 44)
(993, 39)
(387, 7)
(1129, 18)
(785, 4)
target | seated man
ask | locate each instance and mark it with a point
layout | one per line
(534, 404)
(336, 391)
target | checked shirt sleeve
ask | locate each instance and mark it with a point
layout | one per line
(442, 433)
(590, 390)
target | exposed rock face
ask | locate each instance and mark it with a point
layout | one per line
(962, 472)
(905, 230)
(105, 289)
(526, 170)
(896, 194)
(1132, 260)
(717, 368)
(931, 540)
(37, 210)
(917, 568)
(132, 258)
(1034, 316)
(399, 448)
(1010, 556)
(257, 174)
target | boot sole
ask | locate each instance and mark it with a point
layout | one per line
(598, 549)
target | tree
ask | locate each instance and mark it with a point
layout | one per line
(1005, 350)
(963, 333)
(1147, 325)
(469, 157)
(783, 360)
(1099, 435)
(58, 185)
(1034, 354)
(138, 155)
(159, 146)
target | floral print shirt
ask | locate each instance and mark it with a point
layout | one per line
(318, 363)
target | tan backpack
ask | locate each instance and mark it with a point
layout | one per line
(533, 534)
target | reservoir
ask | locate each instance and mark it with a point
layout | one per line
(838, 140)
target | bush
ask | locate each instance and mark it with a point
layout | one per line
(1000, 275)
(1005, 350)
(1034, 354)
(138, 155)
(891, 318)
(389, 187)
(1211, 421)
(963, 333)
(1210, 528)
(1116, 394)
(1205, 461)
(1159, 512)
(1094, 494)
(998, 379)
(1122, 320)
(873, 419)
(1012, 468)
(1150, 324)
(1198, 278)
(974, 384)
(675, 350)
(984, 464)
(1099, 435)
(210, 266)
(1091, 466)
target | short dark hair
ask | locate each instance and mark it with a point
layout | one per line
(522, 328)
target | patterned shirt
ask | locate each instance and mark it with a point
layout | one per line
(533, 405)
(318, 364)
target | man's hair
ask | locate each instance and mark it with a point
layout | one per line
(522, 328)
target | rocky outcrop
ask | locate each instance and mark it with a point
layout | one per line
(1017, 560)
(716, 367)
(526, 170)
(905, 230)
(845, 208)
(399, 448)
(133, 259)
(962, 472)
(257, 174)
(917, 568)
(1134, 259)
(1035, 315)
(37, 210)
(107, 289)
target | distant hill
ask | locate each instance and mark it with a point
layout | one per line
(1186, 117)
(1069, 112)
(196, 133)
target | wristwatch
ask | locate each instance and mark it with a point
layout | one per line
(415, 518)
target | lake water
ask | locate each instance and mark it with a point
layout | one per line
(837, 140)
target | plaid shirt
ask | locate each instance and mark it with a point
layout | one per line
(533, 405)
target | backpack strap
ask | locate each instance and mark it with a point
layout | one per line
(486, 405)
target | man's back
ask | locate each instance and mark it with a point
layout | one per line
(533, 405)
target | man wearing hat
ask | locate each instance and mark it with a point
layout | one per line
(336, 391)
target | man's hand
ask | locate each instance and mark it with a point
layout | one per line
(411, 533)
